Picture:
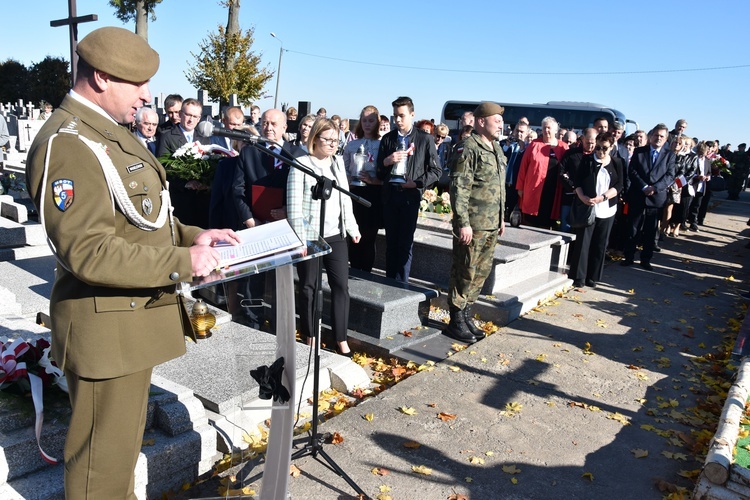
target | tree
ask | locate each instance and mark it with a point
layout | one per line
(233, 26)
(49, 80)
(14, 81)
(221, 51)
(138, 10)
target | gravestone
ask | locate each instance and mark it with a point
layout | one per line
(27, 130)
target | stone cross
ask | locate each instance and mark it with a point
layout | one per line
(72, 22)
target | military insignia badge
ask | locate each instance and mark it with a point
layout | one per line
(133, 184)
(148, 206)
(62, 193)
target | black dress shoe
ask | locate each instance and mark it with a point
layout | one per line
(647, 266)
(591, 283)
(578, 284)
(694, 227)
(657, 248)
(627, 262)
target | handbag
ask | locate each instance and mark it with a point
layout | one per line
(717, 183)
(581, 215)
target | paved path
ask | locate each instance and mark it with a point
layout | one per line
(539, 365)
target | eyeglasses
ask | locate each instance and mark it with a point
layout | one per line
(601, 148)
(330, 142)
(440, 137)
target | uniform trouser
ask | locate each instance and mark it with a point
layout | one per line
(471, 266)
(105, 435)
(589, 248)
(400, 212)
(644, 222)
(337, 271)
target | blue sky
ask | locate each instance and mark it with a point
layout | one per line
(484, 35)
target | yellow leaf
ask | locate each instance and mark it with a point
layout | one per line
(541, 357)
(148, 442)
(588, 476)
(639, 453)
(383, 497)
(369, 417)
(511, 469)
(619, 418)
(379, 471)
(631, 291)
(476, 460)
(421, 469)
(468, 479)
(231, 492)
(408, 410)
(489, 453)
(514, 480)
(630, 314)
(454, 368)
(384, 489)
(730, 278)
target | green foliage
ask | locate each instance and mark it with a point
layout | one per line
(126, 10)
(14, 78)
(49, 80)
(218, 53)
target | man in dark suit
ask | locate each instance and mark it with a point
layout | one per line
(256, 168)
(146, 121)
(184, 132)
(172, 106)
(232, 118)
(651, 171)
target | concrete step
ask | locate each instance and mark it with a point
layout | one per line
(15, 234)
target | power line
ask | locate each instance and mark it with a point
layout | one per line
(534, 73)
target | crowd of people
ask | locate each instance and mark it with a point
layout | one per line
(618, 194)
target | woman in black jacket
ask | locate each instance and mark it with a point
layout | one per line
(598, 182)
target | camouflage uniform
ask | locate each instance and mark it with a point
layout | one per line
(478, 199)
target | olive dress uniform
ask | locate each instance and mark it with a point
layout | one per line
(478, 200)
(113, 308)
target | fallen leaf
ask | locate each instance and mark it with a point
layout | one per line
(369, 416)
(148, 442)
(458, 496)
(639, 453)
(336, 438)
(588, 476)
(379, 471)
(408, 410)
(454, 368)
(384, 489)
(468, 479)
(514, 480)
(511, 469)
(230, 492)
(412, 444)
(476, 460)
(406, 333)
(421, 469)
(294, 471)
(489, 453)
(445, 417)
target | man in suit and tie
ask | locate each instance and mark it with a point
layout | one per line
(146, 122)
(651, 172)
(184, 132)
(256, 168)
(232, 118)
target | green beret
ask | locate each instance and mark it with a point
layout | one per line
(120, 53)
(488, 109)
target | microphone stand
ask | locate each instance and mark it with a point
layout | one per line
(321, 191)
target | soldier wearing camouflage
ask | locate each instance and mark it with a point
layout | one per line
(478, 199)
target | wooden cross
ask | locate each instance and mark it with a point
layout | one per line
(72, 22)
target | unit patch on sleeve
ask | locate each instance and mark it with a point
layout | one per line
(62, 193)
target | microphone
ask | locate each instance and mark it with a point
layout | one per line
(207, 129)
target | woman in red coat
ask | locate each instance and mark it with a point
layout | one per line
(539, 191)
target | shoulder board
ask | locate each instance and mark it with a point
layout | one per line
(69, 127)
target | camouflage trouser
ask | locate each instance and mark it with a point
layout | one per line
(472, 264)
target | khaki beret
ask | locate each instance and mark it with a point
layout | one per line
(120, 53)
(488, 109)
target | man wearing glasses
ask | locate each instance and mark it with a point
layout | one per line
(402, 194)
(184, 132)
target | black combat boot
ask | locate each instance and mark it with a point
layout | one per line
(458, 329)
(473, 328)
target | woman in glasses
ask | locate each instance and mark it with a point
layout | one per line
(598, 180)
(365, 183)
(338, 222)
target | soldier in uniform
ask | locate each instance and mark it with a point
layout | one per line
(478, 200)
(103, 201)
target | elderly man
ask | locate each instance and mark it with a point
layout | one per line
(260, 197)
(651, 172)
(478, 201)
(146, 123)
(232, 118)
(114, 310)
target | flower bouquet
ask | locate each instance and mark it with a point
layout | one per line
(25, 366)
(195, 161)
(720, 166)
(432, 202)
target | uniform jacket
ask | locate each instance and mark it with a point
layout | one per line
(113, 306)
(477, 184)
(422, 166)
(256, 167)
(301, 206)
(532, 174)
(642, 173)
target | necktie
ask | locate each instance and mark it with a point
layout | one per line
(277, 164)
(189, 138)
(654, 156)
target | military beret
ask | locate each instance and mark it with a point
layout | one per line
(488, 109)
(120, 53)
